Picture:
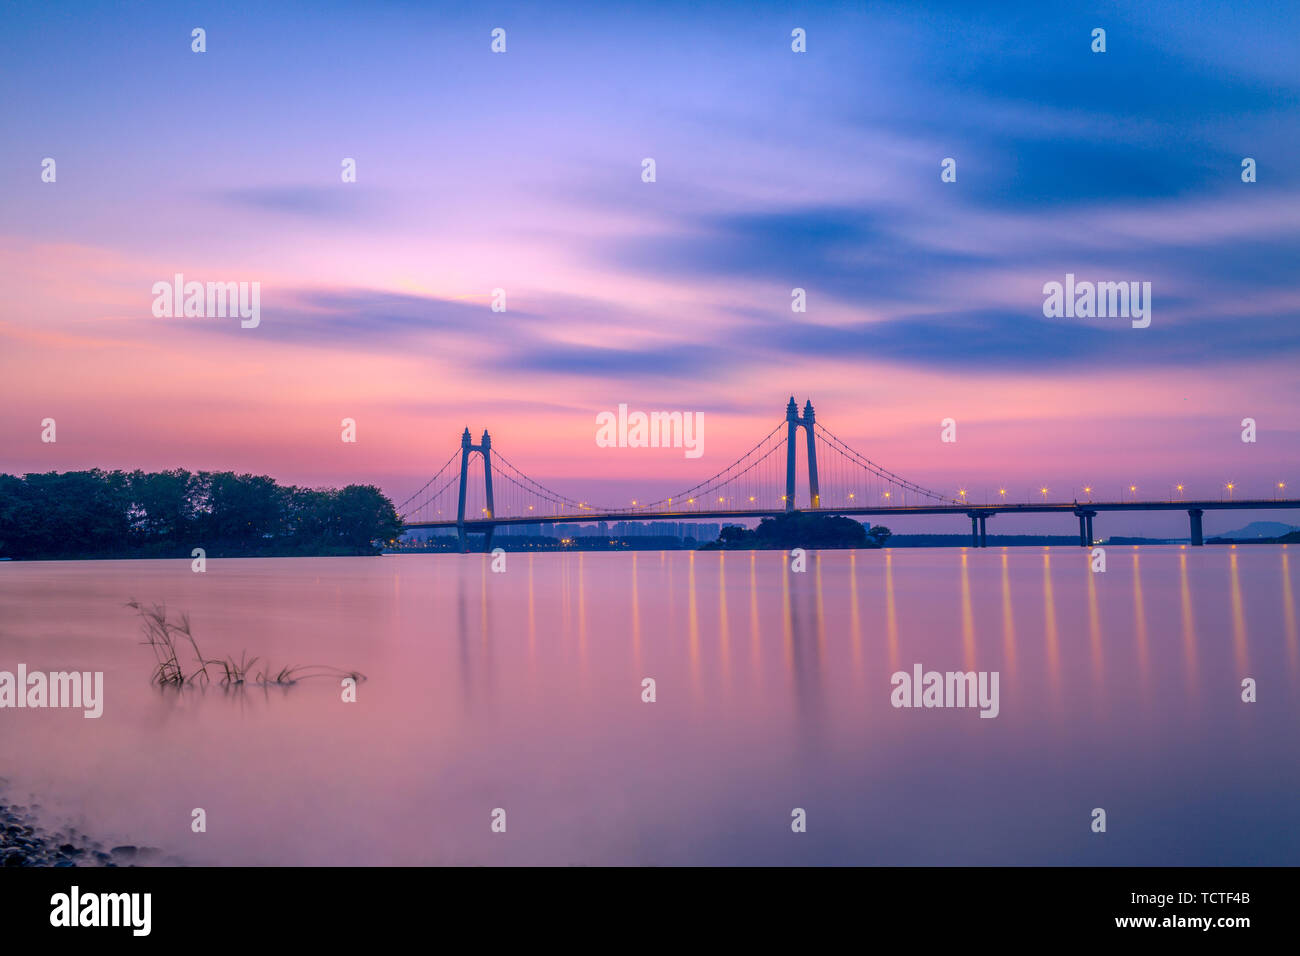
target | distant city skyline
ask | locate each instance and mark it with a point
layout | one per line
(775, 170)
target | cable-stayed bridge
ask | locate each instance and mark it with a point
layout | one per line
(478, 490)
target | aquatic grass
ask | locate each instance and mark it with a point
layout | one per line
(165, 636)
(169, 638)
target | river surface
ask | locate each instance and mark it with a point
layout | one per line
(522, 691)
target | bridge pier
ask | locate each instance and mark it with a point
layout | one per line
(1085, 527)
(974, 529)
(1198, 538)
(464, 539)
(984, 531)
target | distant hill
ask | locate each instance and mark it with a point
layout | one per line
(1259, 529)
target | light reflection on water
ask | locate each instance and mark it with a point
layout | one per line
(522, 690)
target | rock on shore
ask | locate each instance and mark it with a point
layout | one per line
(24, 842)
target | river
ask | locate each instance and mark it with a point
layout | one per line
(522, 691)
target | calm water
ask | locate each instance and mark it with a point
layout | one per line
(522, 691)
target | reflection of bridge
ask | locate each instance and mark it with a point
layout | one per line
(839, 480)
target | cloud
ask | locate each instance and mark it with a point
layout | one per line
(342, 202)
(682, 361)
(978, 341)
(849, 251)
(362, 319)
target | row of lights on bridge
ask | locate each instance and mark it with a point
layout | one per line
(1002, 493)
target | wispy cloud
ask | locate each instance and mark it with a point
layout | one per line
(310, 202)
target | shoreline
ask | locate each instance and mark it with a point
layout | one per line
(900, 546)
(25, 842)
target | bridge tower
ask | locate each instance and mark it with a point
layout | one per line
(485, 449)
(794, 420)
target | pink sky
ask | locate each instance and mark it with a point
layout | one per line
(523, 172)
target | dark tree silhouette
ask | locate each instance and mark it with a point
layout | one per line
(801, 529)
(163, 514)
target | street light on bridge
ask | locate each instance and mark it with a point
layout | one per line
(1044, 491)
(1231, 485)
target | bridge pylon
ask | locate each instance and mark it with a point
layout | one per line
(485, 449)
(794, 420)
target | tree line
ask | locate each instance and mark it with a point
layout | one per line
(86, 514)
(800, 529)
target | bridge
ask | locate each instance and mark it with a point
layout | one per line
(761, 483)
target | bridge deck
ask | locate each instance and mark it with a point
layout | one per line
(986, 510)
